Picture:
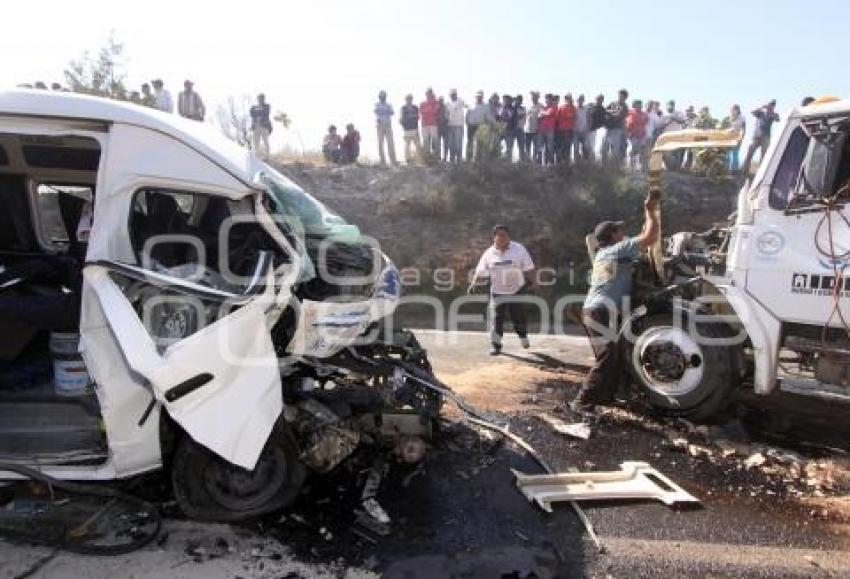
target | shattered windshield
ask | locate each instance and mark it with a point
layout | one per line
(301, 211)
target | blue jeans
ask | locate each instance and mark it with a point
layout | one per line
(455, 143)
(512, 137)
(532, 147)
(563, 146)
(733, 159)
(612, 146)
(583, 146)
(547, 140)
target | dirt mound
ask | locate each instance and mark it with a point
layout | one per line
(441, 217)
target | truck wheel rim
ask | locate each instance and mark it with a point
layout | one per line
(668, 361)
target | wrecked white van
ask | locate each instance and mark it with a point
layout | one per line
(228, 323)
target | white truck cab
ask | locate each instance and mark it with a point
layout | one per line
(229, 323)
(770, 287)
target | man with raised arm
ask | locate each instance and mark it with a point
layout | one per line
(610, 285)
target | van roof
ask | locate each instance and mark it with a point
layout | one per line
(200, 136)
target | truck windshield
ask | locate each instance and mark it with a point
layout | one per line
(811, 168)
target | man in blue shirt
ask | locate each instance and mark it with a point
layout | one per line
(610, 285)
(383, 116)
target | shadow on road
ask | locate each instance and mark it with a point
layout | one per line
(461, 516)
(547, 362)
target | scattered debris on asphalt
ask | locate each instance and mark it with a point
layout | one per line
(80, 518)
(755, 460)
(576, 429)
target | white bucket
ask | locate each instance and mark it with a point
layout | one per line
(70, 376)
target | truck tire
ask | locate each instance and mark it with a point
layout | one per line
(209, 488)
(678, 375)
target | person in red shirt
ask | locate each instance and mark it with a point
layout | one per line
(636, 123)
(429, 115)
(350, 148)
(565, 122)
(546, 122)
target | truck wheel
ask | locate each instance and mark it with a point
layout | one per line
(679, 375)
(209, 488)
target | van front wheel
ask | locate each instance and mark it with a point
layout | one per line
(209, 488)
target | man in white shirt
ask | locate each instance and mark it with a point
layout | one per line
(510, 269)
(163, 97)
(189, 103)
(583, 138)
(475, 117)
(532, 139)
(673, 120)
(455, 112)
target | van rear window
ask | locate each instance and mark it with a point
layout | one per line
(49, 157)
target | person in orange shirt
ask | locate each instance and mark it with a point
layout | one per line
(564, 125)
(636, 123)
(546, 123)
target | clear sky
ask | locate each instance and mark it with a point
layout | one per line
(324, 61)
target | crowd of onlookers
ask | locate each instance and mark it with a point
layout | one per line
(546, 131)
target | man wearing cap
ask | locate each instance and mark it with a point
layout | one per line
(475, 116)
(383, 116)
(510, 269)
(610, 286)
(164, 102)
(189, 103)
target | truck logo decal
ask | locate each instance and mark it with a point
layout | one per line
(818, 285)
(770, 243)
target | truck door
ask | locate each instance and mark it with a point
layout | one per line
(799, 250)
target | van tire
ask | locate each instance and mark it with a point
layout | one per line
(209, 488)
(710, 372)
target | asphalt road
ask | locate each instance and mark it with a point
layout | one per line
(459, 514)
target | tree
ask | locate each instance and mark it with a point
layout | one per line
(233, 118)
(101, 76)
(282, 118)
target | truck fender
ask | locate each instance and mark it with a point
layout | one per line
(762, 329)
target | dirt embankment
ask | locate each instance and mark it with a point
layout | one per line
(439, 218)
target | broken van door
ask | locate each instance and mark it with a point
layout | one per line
(200, 305)
(172, 288)
(220, 383)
